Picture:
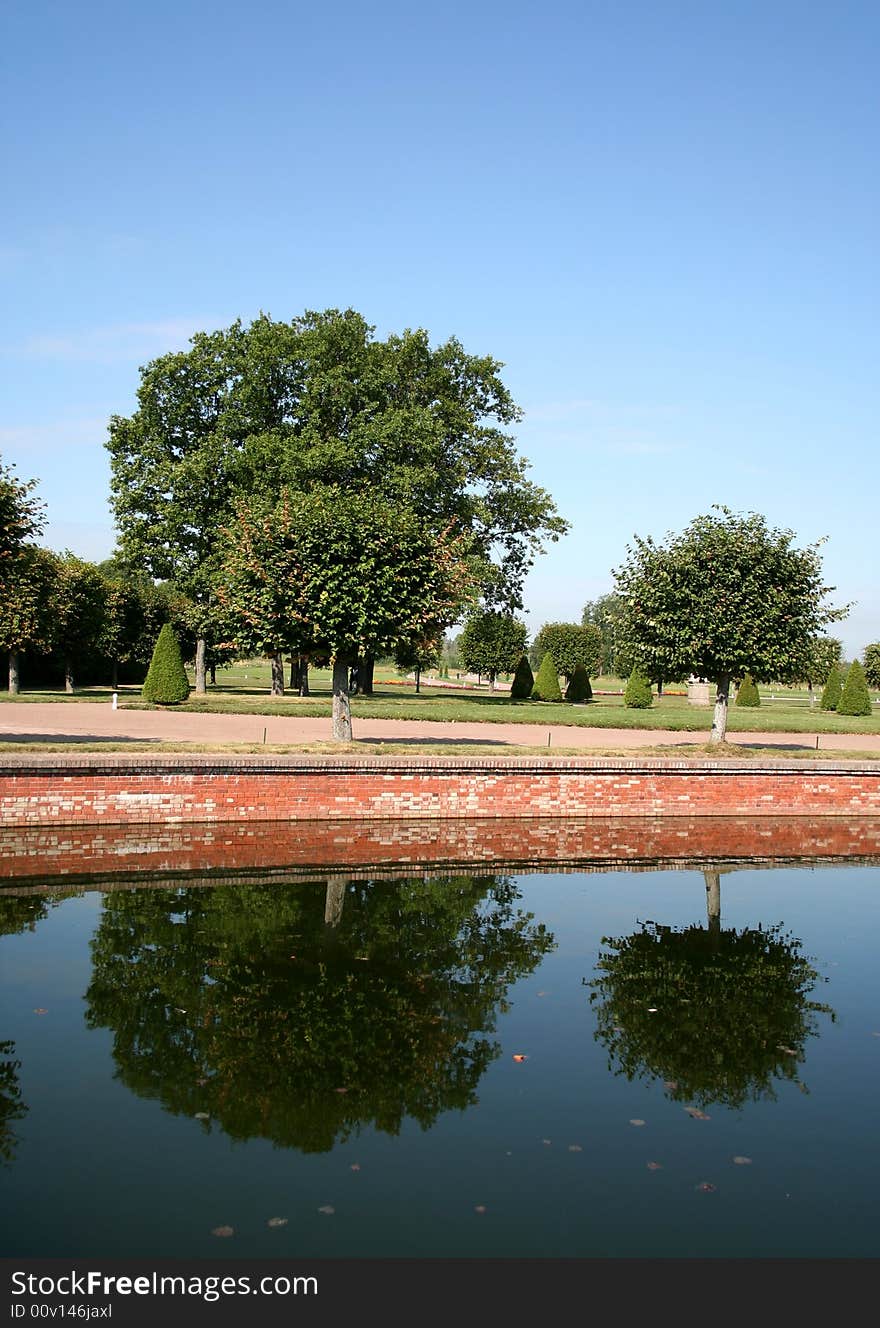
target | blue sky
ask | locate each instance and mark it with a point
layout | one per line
(661, 215)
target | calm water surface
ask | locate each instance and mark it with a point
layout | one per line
(539, 1065)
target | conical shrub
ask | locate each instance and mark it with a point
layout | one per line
(747, 693)
(523, 680)
(832, 689)
(854, 699)
(546, 687)
(579, 689)
(637, 694)
(166, 681)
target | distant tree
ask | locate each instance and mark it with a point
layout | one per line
(725, 597)
(492, 643)
(523, 680)
(854, 698)
(26, 607)
(747, 693)
(77, 610)
(546, 686)
(22, 516)
(637, 694)
(579, 689)
(570, 645)
(166, 682)
(604, 613)
(821, 655)
(340, 573)
(832, 689)
(417, 657)
(872, 664)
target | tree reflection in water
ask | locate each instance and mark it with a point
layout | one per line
(720, 1015)
(304, 1014)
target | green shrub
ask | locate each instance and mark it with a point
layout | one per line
(579, 689)
(523, 680)
(546, 686)
(166, 682)
(637, 694)
(747, 693)
(832, 689)
(854, 699)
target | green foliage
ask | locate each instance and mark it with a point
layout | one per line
(637, 694)
(523, 680)
(832, 689)
(604, 613)
(579, 689)
(727, 596)
(492, 643)
(166, 681)
(546, 686)
(78, 609)
(822, 654)
(21, 516)
(747, 693)
(854, 698)
(570, 645)
(731, 1008)
(27, 600)
(872, 664)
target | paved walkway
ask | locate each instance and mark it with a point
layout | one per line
(25, 722)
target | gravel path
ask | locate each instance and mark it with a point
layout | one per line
(100, 722)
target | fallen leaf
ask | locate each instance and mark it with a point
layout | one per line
(479, 1208)
(355, 1166)
(697, 1114)
(575, 1148)
(543, 993)
(340, 1090)
(328, 1209)
(223, 1231)
(277, 1222)
(706, 1187)
(652, 1009)
(40, 1010)
(519, 1057)
(654, 1166)
(742, 1161)
(202, 1115)
(546, 1142)
(637, 1122)
(789, 1051)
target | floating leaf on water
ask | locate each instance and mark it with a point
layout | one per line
(654, 1166)
(706, 1187)
(789, 1051)
(479, 1208)
(546, 1142)
(277, 1222)
(543, 993)
(201, 1082)
(40, 1010)
(328, 1209)
(697, 1114)
(575, 1148)
(340, 1090)
(178, 1009)
(636, 1121)
(518, 1056)
(742, 1161)
(670, 1085)
(223, 1231)
(355, 1166)
(652, 1009)
(202, 1115)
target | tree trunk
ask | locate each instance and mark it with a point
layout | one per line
(334, 901)
(213, 675)
(491, 680)
(294, 673)
(418, 678)
(812, 695)
(115, 675)
(659, 686)
(713, 901)
(201, 652)
(277, 674)
(719, 718)
(341, 701)
(68, 675)
(366, 665)
(304, 675)
(13, 673)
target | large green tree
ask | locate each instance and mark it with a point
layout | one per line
(726, 597)
(872, 664)
(26, 606)
(604, 613)
(320, 401)
(570, 645)
(22, 516)
(491, 643)
(78, 612)
(340, 574)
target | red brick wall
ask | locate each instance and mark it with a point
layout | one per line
(120, 853)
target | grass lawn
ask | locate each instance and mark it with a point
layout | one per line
(243, 689)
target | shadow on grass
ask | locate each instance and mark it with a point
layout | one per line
(77, 738)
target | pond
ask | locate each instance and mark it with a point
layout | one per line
(670, 1062)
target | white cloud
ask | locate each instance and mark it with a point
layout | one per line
(113, 343)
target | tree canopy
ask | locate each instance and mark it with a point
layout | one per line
(492, 643)
(726, 597)
(570, 645)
